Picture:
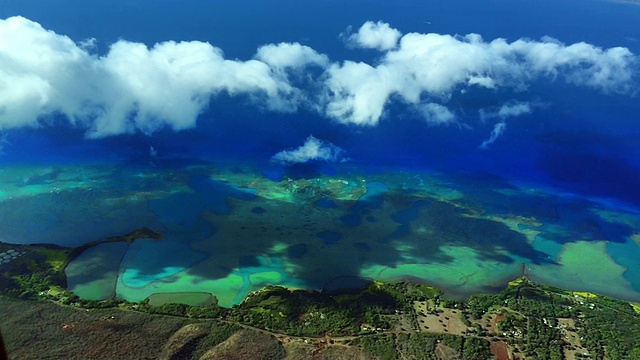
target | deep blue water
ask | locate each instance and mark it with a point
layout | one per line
(329, 237)
(317, 24)
(581, 140)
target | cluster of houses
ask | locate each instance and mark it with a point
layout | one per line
(9, 255)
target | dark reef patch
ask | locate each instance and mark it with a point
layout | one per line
(329, 237)
(297, 251)
(326, 203)
(258, 210)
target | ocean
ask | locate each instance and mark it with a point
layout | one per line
(538, 177)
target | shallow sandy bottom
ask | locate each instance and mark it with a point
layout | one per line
(231, 232)
(585, 266)
(93, 274)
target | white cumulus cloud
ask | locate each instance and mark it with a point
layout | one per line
(35, 70)
(373, 35)
(136, 87)
(290, 55)
(433, 66)
(436, 114)
(133, 87)
(497, 131)
(510, 109)
(171, 83)
(297, 65)
(313, 149)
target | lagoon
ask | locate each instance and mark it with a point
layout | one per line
(464, 243)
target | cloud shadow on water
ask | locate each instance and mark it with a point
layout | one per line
(245, 237)
(217, 221)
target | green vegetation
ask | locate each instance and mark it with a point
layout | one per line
(384, 320)
(423, 346)
(34, 273)
(418, 345)
(610, 328)
(530, 310)
(218, 334)
(381, 346)
(39, 273)
(310, 313)
(194, 340)
(211, 311)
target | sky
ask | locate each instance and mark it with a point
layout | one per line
(536, 90)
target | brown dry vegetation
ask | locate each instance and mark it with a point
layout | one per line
(572, 338)
(500, 350)
(446, 321)
(247, 344)
(444, 352)
(420, 330)
(182, 338)
(301, 351)
(42, 330)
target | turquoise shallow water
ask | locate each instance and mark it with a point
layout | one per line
(627, 255)
(216, 242)
(94, 273)
(148, 260)
(549, 247)
(257, 272)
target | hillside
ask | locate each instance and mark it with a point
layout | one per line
(378, 321)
